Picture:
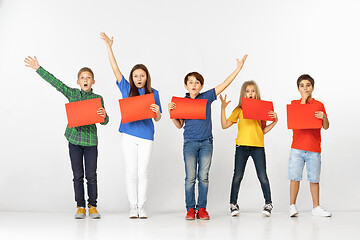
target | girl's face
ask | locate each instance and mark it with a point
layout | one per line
(193, 86)
(139, 78)
(250, 91)
(86, 81)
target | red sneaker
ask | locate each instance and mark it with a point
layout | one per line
(203, 214)
(190, 215)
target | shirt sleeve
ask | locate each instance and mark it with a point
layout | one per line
(56, 83)
(124, 87)
(157, 99)
(210, 95)
(235, 115)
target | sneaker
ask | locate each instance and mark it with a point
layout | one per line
(81, 213)
(190, 215)
(142, 213)
(234, 209)
(293, 212)
(319, 211)
(133, 212)
(93, 212)
(202, 214)
(267, 209)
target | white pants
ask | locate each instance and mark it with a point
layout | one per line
(137, 153)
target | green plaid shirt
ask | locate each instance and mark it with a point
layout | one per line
(84, 135)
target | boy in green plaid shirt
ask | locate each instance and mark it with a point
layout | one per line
(82, 140)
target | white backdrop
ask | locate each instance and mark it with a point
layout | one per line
(284, 39)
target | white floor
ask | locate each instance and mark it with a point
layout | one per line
(248, 225)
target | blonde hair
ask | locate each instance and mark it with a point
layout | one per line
(243, 91)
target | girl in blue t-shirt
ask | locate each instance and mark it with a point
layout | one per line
(137, 136)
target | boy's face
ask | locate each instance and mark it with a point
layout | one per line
(139, 78)
(86, 81)
(193, 86)
(250, 91)
(305, 88)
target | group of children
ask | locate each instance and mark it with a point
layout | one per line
(138, 137)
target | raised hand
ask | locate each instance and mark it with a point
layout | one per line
(106, 39)
(32, 62)
(171, 106)
(240, 64)
(101, 111)
(223, 102)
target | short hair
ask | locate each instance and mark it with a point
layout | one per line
(196, 75)
(305, 77)
(85, 69)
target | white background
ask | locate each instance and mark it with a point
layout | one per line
(284, 39)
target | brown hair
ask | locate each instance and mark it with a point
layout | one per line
(305, 77)
(85, 69)
(196, 75)
(243, 91)
(133, 89)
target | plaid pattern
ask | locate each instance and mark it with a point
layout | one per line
(84, 135)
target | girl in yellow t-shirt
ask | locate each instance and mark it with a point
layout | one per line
(249, 142)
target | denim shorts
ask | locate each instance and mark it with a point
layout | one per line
(297, 160)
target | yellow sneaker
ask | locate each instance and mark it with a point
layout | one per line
(93, 212)
(81, 213)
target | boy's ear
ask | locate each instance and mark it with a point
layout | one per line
(186, 86)
(78, 83)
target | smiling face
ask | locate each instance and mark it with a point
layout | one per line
(193, 86)
(139, 77)
(305, 87)
(85, 80)
(250, 91)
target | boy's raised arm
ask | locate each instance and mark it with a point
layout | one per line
(221, 87)
(112, 59)
(56, 83)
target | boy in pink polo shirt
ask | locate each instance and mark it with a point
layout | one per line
(306, 148)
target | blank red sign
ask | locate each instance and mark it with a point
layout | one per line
(188, 108)
(257, 109)
(83, 113)
(302, 116)
(137, 108)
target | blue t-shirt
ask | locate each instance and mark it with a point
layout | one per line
(142, 128)
(200, 129)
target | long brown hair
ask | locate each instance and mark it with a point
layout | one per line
(134, 91)
(243, 91)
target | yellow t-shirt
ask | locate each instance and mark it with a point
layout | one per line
(249, 131)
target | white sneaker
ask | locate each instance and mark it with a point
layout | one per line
(267, 209)
(293, 212)
(234, 209)
(319, 211)
(142, 213)
(133, 212)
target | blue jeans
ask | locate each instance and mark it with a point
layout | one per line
(241, 156)
(197, 158)
(78, 156)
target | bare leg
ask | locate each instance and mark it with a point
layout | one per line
(294, 189)
(314, 189)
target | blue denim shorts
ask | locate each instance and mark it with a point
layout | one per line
(297, 160)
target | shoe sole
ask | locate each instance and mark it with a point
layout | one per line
(319, 215)
(143, 217)
(235, 213)
(294, 214)
(80, 217)
(266, 214)
(134, 217)
(187, 218)
(205, 218)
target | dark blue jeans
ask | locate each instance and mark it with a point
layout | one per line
(78, 156)
(241, 156)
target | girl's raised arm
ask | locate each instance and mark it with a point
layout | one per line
(112, 59)
(225, 123)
